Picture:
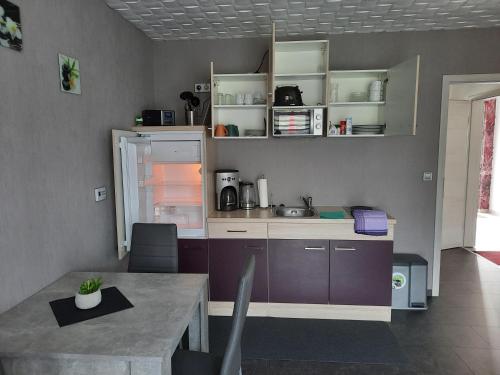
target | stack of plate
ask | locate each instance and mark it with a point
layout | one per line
(368, 129)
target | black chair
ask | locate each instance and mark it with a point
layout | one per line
(154, 248)
(198, 363)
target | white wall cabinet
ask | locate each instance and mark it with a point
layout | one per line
(397, 109)
(342, 93)
(251, 118)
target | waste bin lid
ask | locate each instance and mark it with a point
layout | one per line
(407, 259)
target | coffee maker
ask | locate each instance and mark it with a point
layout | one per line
(226, 189)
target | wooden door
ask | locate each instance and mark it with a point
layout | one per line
(226, 260)
(402, 98)
(455, 173)
(361, 273)
(298, 271)
(474, 170)
(193, 255)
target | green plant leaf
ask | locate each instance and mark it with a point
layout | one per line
(90, 286)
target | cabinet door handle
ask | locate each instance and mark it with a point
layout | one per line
(250, 247)
(320, 248)
(345, 249)
(236, 231)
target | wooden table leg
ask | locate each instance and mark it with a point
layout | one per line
(198, 328)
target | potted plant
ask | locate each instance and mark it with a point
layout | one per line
(69, 74)
(89, 295)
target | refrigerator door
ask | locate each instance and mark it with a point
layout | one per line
(163, 182)
(136, 168)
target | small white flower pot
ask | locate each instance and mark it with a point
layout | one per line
(88, 301)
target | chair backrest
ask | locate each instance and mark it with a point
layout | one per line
(231, 362)
(153, 248)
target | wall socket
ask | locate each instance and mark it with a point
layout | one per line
(100, 193)
(202, 87)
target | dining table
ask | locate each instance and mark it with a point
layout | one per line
(136, 341)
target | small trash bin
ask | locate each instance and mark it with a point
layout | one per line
(409, 282)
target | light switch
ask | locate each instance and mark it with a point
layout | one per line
(100, 193)
(427, 176)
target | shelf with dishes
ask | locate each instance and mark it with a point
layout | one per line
(301, 97)
(335, 104)
(239, 105)
(357, 106)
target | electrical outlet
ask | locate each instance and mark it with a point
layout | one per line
(427, 176)
(202, 87)
(100, 193)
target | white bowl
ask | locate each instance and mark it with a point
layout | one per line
(88, 301)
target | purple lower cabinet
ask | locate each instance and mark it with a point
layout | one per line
(298, 271)
(193, 255)
(227, 258)
(361, 273)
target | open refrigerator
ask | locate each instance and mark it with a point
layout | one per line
(159, 178)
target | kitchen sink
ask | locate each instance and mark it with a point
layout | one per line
(294, 211)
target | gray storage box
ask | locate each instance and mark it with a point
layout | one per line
(409, 282)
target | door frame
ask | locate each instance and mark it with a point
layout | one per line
(443, 128)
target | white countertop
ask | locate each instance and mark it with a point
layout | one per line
(259, 215)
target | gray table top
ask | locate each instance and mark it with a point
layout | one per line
(163, 307)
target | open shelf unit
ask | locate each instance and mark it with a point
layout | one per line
(247, 117)
(347, 87)
(303, 64)
(338, 93)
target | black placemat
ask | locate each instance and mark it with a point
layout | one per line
(67, 313)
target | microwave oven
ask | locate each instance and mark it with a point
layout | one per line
(289, 121)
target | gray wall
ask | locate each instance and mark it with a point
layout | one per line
(56, 147)
(381, 172)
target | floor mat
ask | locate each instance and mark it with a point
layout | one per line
(492, 256)
(346, 341)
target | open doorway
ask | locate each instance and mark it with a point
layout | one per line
(468, 165)
(466, 103)
(487, 236)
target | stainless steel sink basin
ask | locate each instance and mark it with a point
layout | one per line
(294, 211)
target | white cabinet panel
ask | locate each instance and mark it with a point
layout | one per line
(401, 98)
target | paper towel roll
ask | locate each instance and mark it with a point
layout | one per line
(262, 186)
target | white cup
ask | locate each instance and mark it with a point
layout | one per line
(248, 99)
(240, 98)
(375, 85)
(375, 95)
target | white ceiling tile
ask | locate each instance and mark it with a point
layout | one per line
(210, 19)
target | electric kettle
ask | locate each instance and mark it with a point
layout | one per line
(247, 195)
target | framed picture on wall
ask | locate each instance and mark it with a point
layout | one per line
(69, 74)
(10, 26)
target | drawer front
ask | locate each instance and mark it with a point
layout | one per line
(176, 151)
(321, 231)
(237, 230)
(361, 273)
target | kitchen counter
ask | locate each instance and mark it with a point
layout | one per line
(304, 266)
(260, 215)
(262, 223)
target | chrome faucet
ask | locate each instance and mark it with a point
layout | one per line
(308, 202)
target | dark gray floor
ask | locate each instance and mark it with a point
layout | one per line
(459, 334)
